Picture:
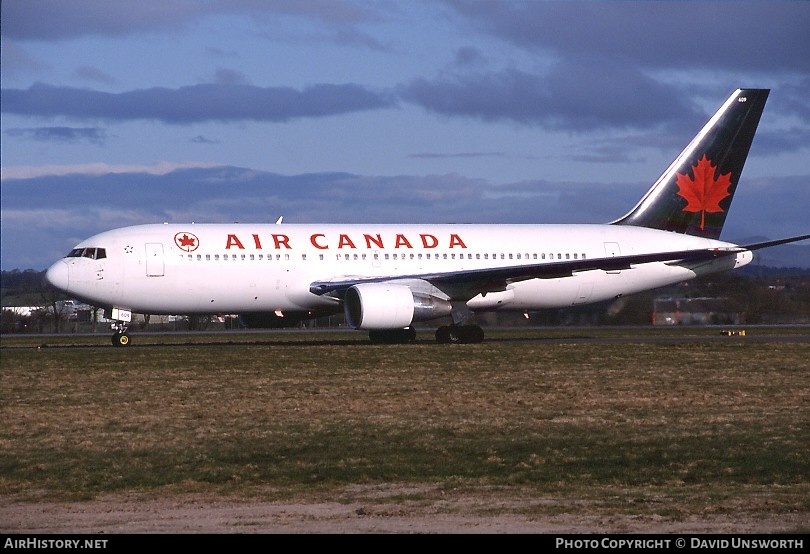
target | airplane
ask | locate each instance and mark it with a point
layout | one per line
(385, 278)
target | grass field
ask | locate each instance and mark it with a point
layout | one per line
(684, 427)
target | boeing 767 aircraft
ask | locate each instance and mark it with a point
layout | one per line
(385, 278)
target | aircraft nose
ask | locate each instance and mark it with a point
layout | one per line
(58, 275)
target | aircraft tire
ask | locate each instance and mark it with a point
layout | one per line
(120, 339)
(474, 334)
(443, 335)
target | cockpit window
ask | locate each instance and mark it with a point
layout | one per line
(92, 253)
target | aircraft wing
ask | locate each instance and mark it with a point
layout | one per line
(492, 279)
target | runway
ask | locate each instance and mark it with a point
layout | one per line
(336, 337)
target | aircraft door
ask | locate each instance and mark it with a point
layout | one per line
(611, 251)
(154, 259)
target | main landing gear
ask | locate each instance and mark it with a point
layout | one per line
(459, 334)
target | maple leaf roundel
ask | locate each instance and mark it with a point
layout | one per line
(186, 242)
(703, 192)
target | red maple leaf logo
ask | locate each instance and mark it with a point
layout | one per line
(186, 241)
(704, 192)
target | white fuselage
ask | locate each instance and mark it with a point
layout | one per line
(236, 268)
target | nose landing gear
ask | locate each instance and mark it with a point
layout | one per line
(120, 338)
(122, 317)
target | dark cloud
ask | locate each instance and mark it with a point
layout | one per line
(793, 96)
(468, 55)
(96, 75)
(591, 93)
(463, 155)
(93, 135)
(199, 139)
(576, 97)
(193, 104)
(225, 76)
(57, 20)
(764, 36)
(774, 143)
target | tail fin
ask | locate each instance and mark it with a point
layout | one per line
(694, 194)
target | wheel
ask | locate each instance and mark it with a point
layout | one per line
(474, 334)
(120, 339)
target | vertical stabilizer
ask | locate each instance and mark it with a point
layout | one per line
(694, 194)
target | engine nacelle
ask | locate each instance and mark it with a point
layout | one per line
(390, 306)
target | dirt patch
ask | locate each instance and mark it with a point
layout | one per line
(462, 513)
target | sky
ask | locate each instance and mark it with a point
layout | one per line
(117, 113)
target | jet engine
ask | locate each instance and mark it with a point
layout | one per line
(390, 306)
